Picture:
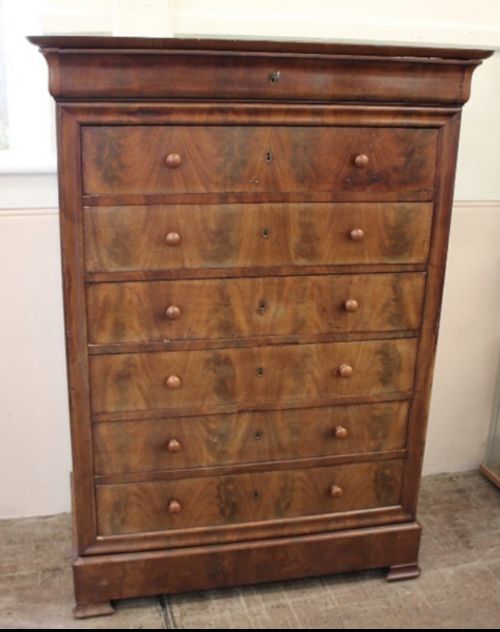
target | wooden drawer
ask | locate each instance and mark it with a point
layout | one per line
(153, 445)
(251, 497)
(230, 71)
(133, 238)
(211, 159)
(205, 381)
(243, 308)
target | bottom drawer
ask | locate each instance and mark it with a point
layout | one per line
(250, 497)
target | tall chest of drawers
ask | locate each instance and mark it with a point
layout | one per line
(253, 242)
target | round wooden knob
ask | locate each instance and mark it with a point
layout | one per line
(346, 370)
(339, 432)
(172, 312)
(174, 446)
(336, 491)
(173, 381)
(173, 239)
(173, 161)
(351, 305)
(174, 507)
(357, 234)
(361, 161)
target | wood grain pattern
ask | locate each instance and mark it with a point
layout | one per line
(419, 415)
(138, 68)
(232, 236)
(269, 160)
(252, 497)
(247, 308)
(244, 563)
(102, 43)
(211, 379)
(223, 535)
(132, 159)
(75, 320)
(142, 446)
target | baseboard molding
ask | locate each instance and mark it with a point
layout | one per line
(464, 204)
(27, 212)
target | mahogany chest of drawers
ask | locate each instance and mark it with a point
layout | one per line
(253, 241)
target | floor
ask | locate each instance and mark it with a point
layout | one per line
(459, 586)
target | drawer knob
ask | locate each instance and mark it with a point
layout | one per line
(351, 305)
(357, 234)
(173, 381)
(174, 507)
(361, 161)
(346, 370)
(274, 77)
(172, 312)
(173, 239)
(336, 491)
(174, 446)
(173, 161)
(339, 432)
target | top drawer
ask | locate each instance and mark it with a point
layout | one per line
(221, 159)
(259, 70)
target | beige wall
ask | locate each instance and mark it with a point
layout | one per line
(35, 452)
(469, 341)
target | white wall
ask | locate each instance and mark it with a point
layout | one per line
(468, 349)
(35, 451)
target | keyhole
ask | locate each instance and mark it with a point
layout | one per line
(256, 494)
(265, 233)
(258, 435)
(269, 156)
(260, 371)
(274, 77)
(262, 306)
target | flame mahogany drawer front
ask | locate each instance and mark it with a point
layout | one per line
(254, 240)
(176, 238)
(130, 447)
(203, 159)
(205, 381)
(246, 308)
(253, 497)
(216, 71)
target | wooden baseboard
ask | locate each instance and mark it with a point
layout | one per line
(100, 578)
(493, 475)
